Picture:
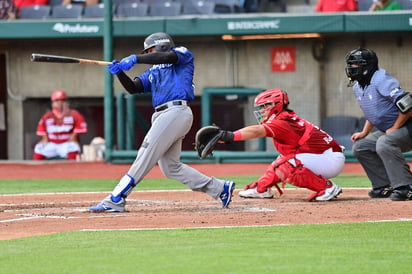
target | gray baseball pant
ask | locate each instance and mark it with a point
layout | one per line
(163, 145)
(381, 157)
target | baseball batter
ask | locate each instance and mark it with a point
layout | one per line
(59, 129)
(308, 155)
(170, 81)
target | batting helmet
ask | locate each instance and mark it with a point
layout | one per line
(58, 95)
(270, 103)
(360, 64)
(160, 40)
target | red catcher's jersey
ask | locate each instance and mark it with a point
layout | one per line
(59, 130)
(287, 129)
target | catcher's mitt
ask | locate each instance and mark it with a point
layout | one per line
(206, 140)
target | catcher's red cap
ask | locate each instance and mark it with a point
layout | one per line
(58, 95)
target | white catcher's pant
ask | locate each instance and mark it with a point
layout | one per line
(328, 164)
(52, 150)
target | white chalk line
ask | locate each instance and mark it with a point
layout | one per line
(28, 216)
(90, 192)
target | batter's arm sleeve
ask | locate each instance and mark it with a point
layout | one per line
(131, 86)
(169, 57)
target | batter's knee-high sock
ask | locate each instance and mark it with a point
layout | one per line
(38, 157)
(72, 155)
(123, 188)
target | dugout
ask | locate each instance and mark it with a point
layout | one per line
(228, 107)
(133, 113)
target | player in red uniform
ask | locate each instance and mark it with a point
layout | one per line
(59, 129)
(336, 5)
(308, 155)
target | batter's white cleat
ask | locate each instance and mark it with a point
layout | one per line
(252, 193)
(107, 205)
(330, 193)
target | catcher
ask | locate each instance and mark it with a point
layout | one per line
(308, 155)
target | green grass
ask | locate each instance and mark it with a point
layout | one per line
(327, 248)
(83, 185)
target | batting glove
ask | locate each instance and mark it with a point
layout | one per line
(114, 67)
(128, 62)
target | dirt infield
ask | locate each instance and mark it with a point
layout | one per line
(38, 214)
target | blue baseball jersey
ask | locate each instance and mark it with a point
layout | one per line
(377, 100)
(168, 82)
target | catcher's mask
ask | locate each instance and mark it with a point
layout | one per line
(360, 63)
(269, 104)
(161, 41)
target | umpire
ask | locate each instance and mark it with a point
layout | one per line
(380, 151)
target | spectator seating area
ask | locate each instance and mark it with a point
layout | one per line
(130, 8)
(364, 5)
(140, 8)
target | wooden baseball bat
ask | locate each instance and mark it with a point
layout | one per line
(36, 57)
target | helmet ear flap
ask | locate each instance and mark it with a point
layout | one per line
(285, 98)
(163, 48)
(162, 41)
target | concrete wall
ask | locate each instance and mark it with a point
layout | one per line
(218, 63)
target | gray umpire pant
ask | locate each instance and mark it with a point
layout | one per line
(381, 157)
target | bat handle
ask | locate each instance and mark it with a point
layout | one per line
(94, 62)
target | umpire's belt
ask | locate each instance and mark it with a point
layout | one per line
(171, 104)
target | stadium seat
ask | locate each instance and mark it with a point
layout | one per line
(364, 5)
(35, 12)
(132, 10)
(341, 128)
(275, 5)
(119, 2)
(406, 4)
(94, 11)
(340, 124)
(149, 2)
(67, 11)
(226, 6)
(167, 8)
(55, 2)
(198, 7)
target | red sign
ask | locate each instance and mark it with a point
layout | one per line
(283, 59)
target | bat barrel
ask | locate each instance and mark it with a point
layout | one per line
(36, 57)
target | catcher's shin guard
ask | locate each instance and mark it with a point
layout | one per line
(268, 179)
(303, 177)
(123, 188)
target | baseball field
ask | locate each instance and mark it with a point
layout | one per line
(45, 226)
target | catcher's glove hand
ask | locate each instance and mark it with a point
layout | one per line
(208, 137)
